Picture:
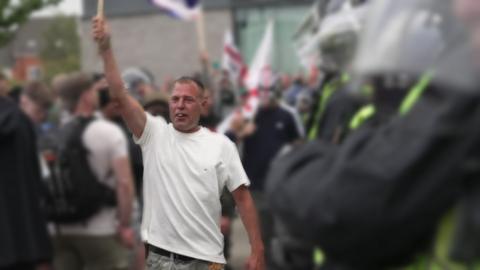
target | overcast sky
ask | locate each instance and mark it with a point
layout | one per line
(70, 7)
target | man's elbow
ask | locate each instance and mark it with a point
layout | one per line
(125, 190)
(242, 195)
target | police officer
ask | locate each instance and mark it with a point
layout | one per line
(381, 199)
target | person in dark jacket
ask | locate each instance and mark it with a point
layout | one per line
(387, 198)
(24, 240)
(265, 137)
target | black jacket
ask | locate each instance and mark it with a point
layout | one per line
(376, 200)
(23, 232)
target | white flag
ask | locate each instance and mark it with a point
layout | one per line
(260, 72)
(261, 63)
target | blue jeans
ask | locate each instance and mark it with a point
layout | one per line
(159, 262)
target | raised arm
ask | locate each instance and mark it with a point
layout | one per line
(131, 111)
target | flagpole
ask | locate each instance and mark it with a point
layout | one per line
(100, 8)
(200, 23)
(202, 46)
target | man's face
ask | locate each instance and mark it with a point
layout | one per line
(267, 98)
(286, 81)
(468, 11)
(32, 110)
(91, 97)
(3, 87)
(144, 90)
(186, 105)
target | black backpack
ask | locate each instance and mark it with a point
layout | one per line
(376, 201)
(73, 193)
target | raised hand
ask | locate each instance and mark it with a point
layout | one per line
(101, 33)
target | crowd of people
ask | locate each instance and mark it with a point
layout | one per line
(368, 161)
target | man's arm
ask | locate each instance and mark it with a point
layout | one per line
(206, 74)
(131, 111)
(249, 217)
(124, 190)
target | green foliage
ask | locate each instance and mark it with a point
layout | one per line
(15, 12)
(61, 50)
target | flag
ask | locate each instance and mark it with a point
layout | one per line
(260, 72)
(232, 59)
(182, 9)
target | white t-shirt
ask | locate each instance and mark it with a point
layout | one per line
(106, 142)
(184, 175)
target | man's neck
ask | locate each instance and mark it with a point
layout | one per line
(84, 111)
(193, 130)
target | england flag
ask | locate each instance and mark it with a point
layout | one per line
(232, 59)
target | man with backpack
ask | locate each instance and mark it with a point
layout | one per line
(91, 197)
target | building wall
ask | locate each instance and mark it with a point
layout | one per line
(165, 46)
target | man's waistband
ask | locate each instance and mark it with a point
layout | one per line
(166, 253)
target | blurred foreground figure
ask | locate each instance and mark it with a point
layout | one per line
(403, 192)
(24, 242)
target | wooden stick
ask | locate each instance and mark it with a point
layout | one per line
(200, 23)
(100, 8)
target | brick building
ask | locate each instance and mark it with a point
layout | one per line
(21, 56)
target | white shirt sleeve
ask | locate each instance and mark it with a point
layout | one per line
(151, 125)
(106, 142)
(236, 175)
(106, 139)
(119, 144)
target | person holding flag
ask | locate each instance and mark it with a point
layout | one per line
(185, 169)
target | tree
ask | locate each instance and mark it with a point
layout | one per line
(15, 12)
(61, 50)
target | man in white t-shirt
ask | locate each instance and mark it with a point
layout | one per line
(186, 168)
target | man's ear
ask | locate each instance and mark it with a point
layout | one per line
(204, 102)
(42, 114)
(83, 97)
(203, 105)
